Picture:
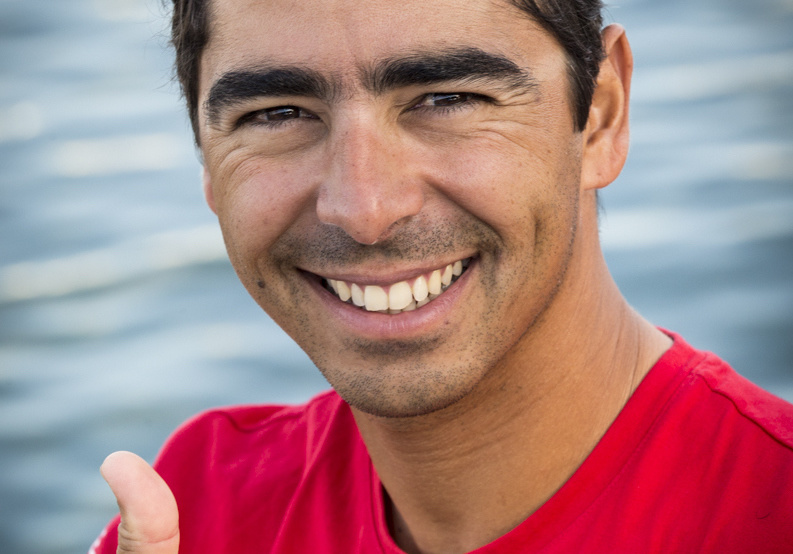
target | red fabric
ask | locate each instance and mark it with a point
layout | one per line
(699, 460)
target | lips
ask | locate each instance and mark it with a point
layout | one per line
(403, 296)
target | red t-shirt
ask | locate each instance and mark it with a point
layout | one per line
(699, 460)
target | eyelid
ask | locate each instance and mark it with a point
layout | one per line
(468, 99)
(250, 116)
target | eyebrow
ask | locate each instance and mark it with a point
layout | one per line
(460, 65)
(238, 86)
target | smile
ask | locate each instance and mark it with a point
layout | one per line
(404, 296)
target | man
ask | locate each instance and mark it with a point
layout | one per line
(409, 190)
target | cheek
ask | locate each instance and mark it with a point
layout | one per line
(257, 203)
(503, 181)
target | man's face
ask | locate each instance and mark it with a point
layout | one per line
(377, 143)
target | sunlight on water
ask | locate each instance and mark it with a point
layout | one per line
(642, 228)
(109, 155)
(123, 10)
(21, 121)
(112, 266)
(699, 81)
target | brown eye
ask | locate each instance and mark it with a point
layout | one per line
(275, 116)
(280, 113)
(448, 99)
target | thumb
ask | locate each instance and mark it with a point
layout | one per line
(149, 516)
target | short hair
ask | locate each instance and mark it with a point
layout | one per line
(576, 25)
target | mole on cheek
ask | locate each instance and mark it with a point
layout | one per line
(260, 284)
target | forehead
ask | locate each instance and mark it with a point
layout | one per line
(343, 36)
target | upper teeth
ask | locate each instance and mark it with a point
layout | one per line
(401, 296)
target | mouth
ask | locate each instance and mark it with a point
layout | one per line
(403, 296)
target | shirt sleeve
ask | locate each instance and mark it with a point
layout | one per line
(107, 541)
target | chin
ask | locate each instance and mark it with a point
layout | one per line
(401, 408)
(403, 391)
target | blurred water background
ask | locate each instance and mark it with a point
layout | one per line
(120, 315)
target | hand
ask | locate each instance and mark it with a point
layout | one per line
(149, 516)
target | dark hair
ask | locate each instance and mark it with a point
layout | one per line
(576, 24)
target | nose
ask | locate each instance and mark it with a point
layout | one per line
(370, 186)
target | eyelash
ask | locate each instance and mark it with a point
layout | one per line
(251, 118)
(466, 99)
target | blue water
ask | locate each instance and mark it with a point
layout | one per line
(120, 316)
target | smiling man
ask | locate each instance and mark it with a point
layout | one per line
(409, 190)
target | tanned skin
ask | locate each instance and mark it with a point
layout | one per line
(479, 406)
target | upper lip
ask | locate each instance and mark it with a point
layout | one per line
(382, 277)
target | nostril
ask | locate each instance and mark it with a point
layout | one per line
(366, 227)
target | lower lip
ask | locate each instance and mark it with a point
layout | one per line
(405, 325)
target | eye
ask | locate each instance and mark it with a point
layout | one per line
(448, 100)
(275, 116)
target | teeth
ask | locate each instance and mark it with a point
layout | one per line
(420, 290)
(375, 298)
(446, 278)
(357, 295)
(342, 290)
(399, 297)
(434, 284)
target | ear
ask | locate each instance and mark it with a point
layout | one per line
(606, 137)
(206, 182)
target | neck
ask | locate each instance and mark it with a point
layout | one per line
(463, 476)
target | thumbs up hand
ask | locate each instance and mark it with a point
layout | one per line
(149, 515)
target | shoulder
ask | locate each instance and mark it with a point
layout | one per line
(251, 428)
(257, 417)
(735, 397)
(700, 456)
(717, 431)
(768, 412)
(703, 427)
(728, 444)
(236, 472)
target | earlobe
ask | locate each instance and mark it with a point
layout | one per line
(206, 183)
(606, 137)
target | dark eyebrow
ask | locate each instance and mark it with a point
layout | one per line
(416, 69)
(460, 64)
(237, 86)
